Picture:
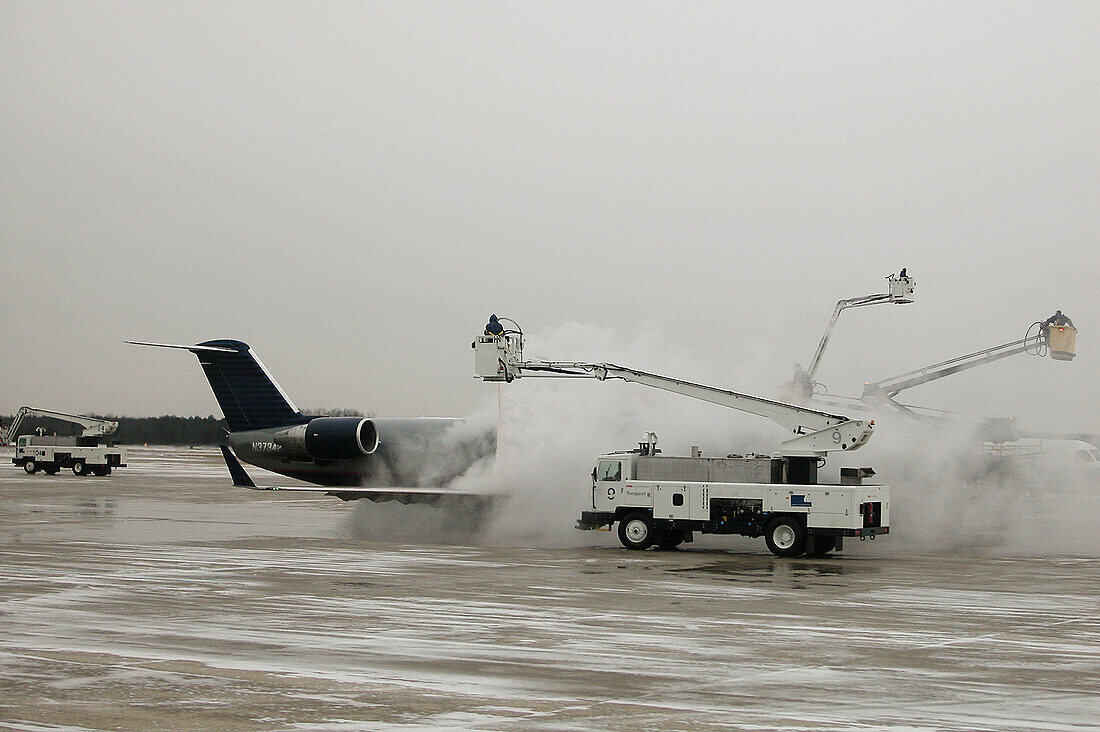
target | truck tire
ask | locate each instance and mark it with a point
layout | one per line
(79, 467)
(51, 470)
(636, 531)
(785, 536)
(30, 467)
(671, 539)
(823, 545)
(101, 470)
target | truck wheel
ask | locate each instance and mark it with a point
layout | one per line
(636, 531)
(79, 468)
(671, 539)
(823, 545)
(30, 467)
(52, 470)
(101, 471)
(786, 537)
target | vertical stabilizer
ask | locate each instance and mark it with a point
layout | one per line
(248, 395)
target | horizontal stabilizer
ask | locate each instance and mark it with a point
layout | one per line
(193, 349)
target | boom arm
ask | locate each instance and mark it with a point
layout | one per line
(888, 388)
(92, 427)
(500, 358)
(900, 291)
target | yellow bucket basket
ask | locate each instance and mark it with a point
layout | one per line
(1062, 340)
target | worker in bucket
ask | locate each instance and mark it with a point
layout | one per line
(494, 328)
(1058, 319)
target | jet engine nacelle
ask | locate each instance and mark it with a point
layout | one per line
(332, 438)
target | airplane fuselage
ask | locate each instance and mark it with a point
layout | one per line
(410, 452)
(258, 447)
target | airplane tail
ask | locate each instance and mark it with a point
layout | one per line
(248, 395)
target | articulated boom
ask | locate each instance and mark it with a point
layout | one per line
(1056, 336)
(900, 291)
(500, 358)
(92, 427)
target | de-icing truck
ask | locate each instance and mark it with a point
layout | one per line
(661, 501)
(50, 453)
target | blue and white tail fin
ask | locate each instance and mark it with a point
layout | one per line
(248, 395)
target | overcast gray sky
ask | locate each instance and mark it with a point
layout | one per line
(353, 187)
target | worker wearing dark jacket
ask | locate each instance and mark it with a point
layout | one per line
(494, 328)
(1058, 319)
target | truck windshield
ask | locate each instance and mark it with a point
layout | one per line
(610, 470)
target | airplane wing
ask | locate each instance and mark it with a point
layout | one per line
(401, 494)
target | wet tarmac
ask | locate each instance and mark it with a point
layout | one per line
(162, 598)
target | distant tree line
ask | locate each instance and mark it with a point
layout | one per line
(338, 412)
(166, 430)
